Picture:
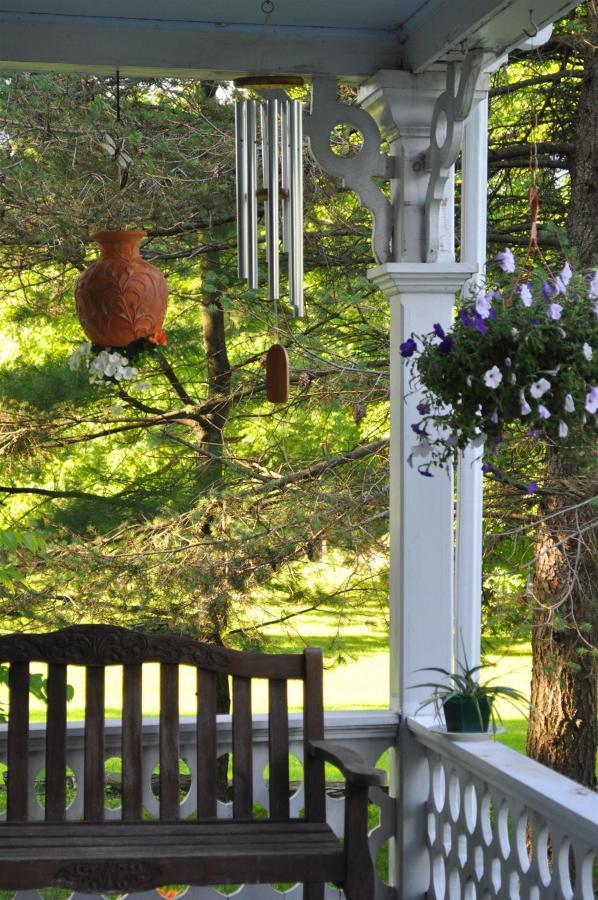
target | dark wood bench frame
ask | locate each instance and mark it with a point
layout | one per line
(133, 854)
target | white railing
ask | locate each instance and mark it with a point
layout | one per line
(370, 733)
(497, 824)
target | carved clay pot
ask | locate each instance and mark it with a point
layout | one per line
(121, 297)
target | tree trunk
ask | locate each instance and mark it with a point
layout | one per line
(563, 731)
(582, 222)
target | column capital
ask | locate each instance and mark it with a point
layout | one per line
(422, 278)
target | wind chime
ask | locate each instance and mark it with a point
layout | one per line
(269, 162)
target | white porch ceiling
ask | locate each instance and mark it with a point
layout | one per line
(224, 38)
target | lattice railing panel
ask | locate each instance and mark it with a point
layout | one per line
(491, 837)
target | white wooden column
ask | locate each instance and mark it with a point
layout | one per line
(468, 551)
(421, 509)
(422, 613)
(422, 516)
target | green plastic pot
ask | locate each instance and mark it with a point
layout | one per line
(463, 714)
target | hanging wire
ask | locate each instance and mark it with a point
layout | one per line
(118, 95)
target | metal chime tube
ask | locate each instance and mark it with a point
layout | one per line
(241, 166)
(284, 171)
(290, 218)
(272, 217)
(296, 179)
(252, 235)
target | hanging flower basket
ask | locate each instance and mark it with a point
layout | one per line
(121, 297)
(521, 358)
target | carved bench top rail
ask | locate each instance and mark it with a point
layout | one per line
(102, 645)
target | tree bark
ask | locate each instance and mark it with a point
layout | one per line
(582, 221)
(563, 731)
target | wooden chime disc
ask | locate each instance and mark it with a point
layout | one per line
(277, 374)
(269, 81)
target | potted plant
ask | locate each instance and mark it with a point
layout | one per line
(468, 704)
(521, 359)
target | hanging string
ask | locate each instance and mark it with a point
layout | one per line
(118, 95)
(533, 194)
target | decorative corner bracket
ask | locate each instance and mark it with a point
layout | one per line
(448, 120)
(357, 172)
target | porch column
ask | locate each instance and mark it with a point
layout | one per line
(422, 613)
(468, 551)
(422, 515)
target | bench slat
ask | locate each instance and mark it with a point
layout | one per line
(132, 748)
(278, 748)
(242, 749)
(93, 794)
(313, 730)
(206, 743)
(18, 741)
(169, 741)
(56, 744)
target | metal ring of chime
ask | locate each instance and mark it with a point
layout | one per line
(276, 127)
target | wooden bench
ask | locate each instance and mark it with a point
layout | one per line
(133, 853)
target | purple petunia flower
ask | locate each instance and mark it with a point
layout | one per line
(467, 320)
(417, 429)
(554, 311)
(438, 330)
(548, 291)
(408, 348)
(423, 409)
(425, 471)
(505, 260)
(446, 344)
(480, 325)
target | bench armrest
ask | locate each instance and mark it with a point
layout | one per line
(349, 762)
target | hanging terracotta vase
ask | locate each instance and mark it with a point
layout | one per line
(277, 374)
(121, 297)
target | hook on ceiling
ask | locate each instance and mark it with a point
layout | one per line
(536, 31)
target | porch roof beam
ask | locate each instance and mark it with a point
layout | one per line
(351, 45)
(190, 48)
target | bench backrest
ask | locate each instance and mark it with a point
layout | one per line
(98, 646)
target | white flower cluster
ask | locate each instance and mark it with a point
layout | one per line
(111, 365)
(107, 364)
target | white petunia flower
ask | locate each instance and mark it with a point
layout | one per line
(525, 295)
(543, 412)
(569, 404)
(593, 287)
(525, 408)
(492, 377)
(539, 388)
(553, 311)
(587, 351)
(563, 429)
(563, 278)
(483, 305)
(591, 404)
